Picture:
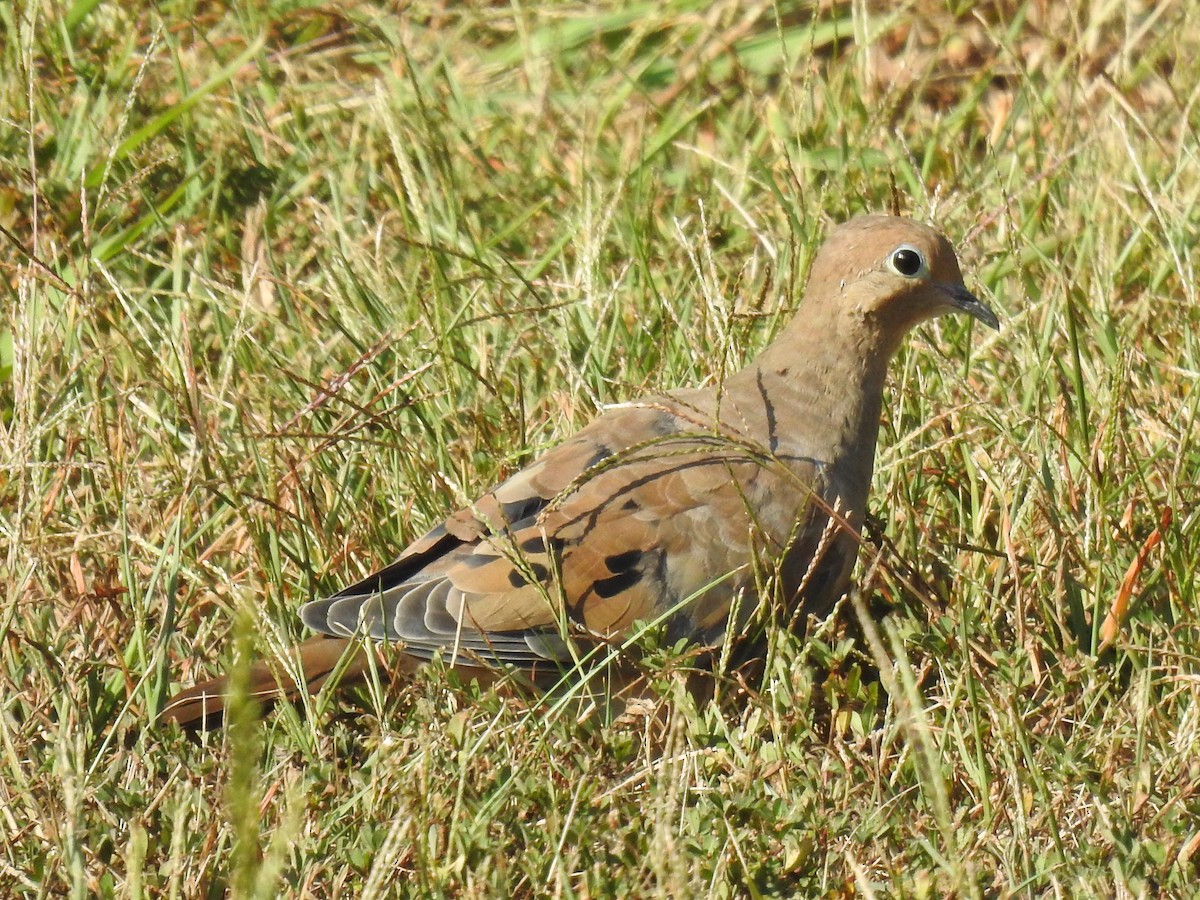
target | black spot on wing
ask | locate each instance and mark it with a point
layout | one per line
(517, 579)
(519, 513)
(536, 544)
(610, 587)
(516, 512)
(620, 563)
(600, 455)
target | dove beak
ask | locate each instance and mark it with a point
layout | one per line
(961, 298)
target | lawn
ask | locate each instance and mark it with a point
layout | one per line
(285, 283)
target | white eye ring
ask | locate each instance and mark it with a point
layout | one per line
(908, 262)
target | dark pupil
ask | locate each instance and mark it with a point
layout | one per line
(907, 262)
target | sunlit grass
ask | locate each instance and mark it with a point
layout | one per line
(283, 286)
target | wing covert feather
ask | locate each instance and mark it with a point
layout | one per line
(640, 516)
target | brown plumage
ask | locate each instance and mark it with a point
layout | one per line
(675, 509)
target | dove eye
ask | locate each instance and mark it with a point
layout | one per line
(908, 261)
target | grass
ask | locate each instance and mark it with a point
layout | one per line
(286, 283)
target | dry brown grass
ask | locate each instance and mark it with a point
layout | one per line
(285, 285)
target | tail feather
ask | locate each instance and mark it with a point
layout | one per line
(202, 707)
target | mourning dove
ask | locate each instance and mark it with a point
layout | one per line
(663, 510)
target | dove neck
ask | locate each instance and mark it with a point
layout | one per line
(830, 382)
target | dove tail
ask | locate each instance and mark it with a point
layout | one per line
(202, 707)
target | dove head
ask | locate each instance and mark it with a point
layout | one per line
(879, 276)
